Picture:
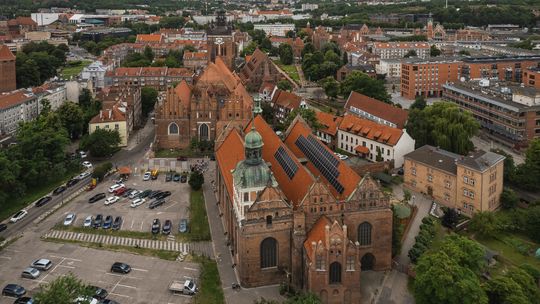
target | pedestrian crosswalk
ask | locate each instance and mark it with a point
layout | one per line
(202, 248)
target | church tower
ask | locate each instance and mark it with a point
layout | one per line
(221, 42)
(7, 70)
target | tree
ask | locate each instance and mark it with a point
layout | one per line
(509, 166)
(27, 74)
(411, 53)
(286, 55)
(465, 252)
(434, 51)
(284, 85)
(249, 49)
(440, 279)
(484, 224)
(266, 44)
(362, 83)
(308, 115)
(419, 103)
(290, 34)
(196, 180)
(148, 53)
(528, 174)
(527, 283)
(503, 289)
(72, 118)
(101, 142)
(267, 112)
(100, 170)
(330, 86)
(63, 289)
(304, 298)
(443, 125)
(509, 198)
(149, 98)
(450, 218)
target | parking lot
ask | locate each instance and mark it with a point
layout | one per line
(147, 282)
(134, 219)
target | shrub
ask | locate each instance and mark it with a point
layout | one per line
(101, 170)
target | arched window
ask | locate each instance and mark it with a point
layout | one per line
(364, 234)
(335, 273)
(268, 253)
(203, 132)
(173, 129)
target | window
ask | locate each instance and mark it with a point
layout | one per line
(173, 128)
(268, 253)
(350, 263)
(204, 132)
(335, 273)
(413, 171)
(268, 220)
(319, 263)
(116, 126)
(471, 181)
(364, 234)
(465, 179)
(246, 197)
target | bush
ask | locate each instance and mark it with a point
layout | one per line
(428, 220)
(101, 170)
(509, 199)
(196, 180)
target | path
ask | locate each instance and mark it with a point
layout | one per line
(300, 74)
(286, 76)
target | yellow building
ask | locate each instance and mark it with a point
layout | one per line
(468, 183)
(112, 119)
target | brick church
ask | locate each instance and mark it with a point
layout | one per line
(7, 70)
(295, 213)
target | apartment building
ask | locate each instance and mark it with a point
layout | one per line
(389, 67)
(373, 141)
(15, 107)
(284, 103)
(95, 73)
(275, 29)
(469, 183)
(503, 68)
(327, 132)
(531, 76)
(113, 118)
(396, 50)
(426, 77)
(54, 92)
(378, 111)
(508, 113)
(157, 77)
(195, 60)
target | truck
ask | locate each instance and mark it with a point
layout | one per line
(187, 287)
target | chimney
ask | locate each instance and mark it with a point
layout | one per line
(100, 114)
(110, 113)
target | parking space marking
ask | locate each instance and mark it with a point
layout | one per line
(66, 266)
(119, 295)
(139, 269)
(52, 270)
(65, 258)
(126, 286)
(140, 229)
(192, 269)
(5, 257)
(174, 203)
(132, 223)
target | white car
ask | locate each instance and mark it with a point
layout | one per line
(147, 175)
(83, 175)
(87, 164)
(111, 200)
(88, 221)
(134, 194)
(70, 218)
(137, 202)
(18, 216)
(115, 186)
(343, 157)
(83, 154)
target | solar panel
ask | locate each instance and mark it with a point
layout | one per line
(322, 159)
(286, 162)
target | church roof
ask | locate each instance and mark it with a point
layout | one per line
(228, 155)
(5, 53)
(316, 234)
(183, 90)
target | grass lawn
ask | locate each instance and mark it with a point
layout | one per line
(209, 283)
(174, 153)
(73, 70)
(506, 246)
(33, 194)
(199, 230)
(121, 233)
(290, 70)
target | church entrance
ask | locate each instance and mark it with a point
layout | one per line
(367, 261)
(204, 132)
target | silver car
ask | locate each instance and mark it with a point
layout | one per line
(70, 218)
(30, 273)
(42, 264)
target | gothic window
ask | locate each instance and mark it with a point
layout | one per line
(268, 253)
(173, 129)
(319, 263)
(335, 273)
(204, 132)
(350, 262)
(364, 234)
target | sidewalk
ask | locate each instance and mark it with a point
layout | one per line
(222, 252)
(137, 135)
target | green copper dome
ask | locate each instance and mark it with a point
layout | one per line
(253, 140)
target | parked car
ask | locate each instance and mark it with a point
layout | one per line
(119, 267)
(18, 216)
(59, 190)
(3, 227)
(154, 194)
(183, 226)
(98, 292)
(156, 203)
(97, 197)
(156, 226)
(176, 177)
(155, 174)
(70, 218)
(98, 221)
(117, 223)
(72, 182)
(134, 194)
(87, 164)
(13, 290)
(119, 191)
(163, 194)
(137, 202)
(127, 192)
(24, 300)
(83, 175)
(168, 176)
(183, 178)
(88, 221)
(107, 223)
(30, 273)
(145, 193)
(42, 264)
(116, 186)
(83, 154)
(111, 200)
(167, 227)
(147, 175)
(42, 201)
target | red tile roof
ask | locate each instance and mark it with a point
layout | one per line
(370, 130)
(330, 122)
(377, 108)
(347, 177)
(109, 115)
(5, 53)
(150, 38)
(230, 153)
(316, 234)
(13, 98)
(286, 99)
(195, 55)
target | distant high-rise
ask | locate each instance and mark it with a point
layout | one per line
(7, 70)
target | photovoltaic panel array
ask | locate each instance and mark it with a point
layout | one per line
(286, 162)
(322, 159)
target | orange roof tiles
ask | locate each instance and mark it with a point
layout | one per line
(286, 99)
(329, 121)
(156, 38)
(377, 108)
(401, 45)
(5, 53)
(347, 177)
(362, 149)
(195, 55)
(230, 153)
(13, 98)
(371, 130)
(316, 234)
(109, 115)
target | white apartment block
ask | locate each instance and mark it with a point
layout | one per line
(390, 67)
(277, 29)
(396, 50)
(15, 107)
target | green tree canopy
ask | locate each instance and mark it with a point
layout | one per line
(443, 125)
(330, 86)
(286, 55)
(148, 99)
(434, 51)
(362, 83)
(419, 103)
(528, 174)
(63, 289)
(196, 180)
(72, 118)
(465, 252)
(308, 115)
(509, 198)
(484, 224)
(284, 85)
(101, 142)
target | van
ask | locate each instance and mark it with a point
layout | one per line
(116, 186)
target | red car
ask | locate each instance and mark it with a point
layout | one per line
(119, 191)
